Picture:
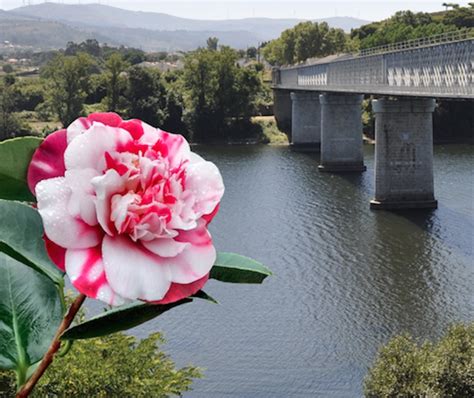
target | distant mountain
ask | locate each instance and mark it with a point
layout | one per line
(149, 30)
(43, 34)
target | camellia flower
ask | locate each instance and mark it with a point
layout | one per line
(125, 209)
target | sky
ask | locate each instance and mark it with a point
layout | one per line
(233, 9)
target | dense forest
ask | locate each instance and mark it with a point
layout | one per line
(210, 98)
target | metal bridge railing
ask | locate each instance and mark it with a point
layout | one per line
(446, 37)
(439, 68)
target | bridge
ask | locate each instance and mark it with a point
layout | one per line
(321, 103)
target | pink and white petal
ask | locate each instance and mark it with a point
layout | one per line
(204, 180)
(192, 264)
(48, 159)
(134, 127)
(179, 291)
(85, 269)
(82, 201)
(208, 217)
(119, 209)
(111, 119)
(197, 259)
(178, 147)
(165, 247)
(105, 187)
(134, 272)
(195, 158)
(107, 295)
(59, 225)
(88, 149)
(150, 134)
(56, 253)
(78, 127)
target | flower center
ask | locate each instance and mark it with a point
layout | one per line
(153, 202)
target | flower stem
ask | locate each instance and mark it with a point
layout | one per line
(26, 389)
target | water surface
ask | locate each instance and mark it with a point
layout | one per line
(346, 278)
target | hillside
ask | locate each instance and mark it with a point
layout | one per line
(102, 15)
(43, 35)
(148, 30)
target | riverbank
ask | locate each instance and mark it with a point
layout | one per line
(270, 133)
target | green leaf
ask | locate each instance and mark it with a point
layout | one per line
(118, 319)
(30, 313)
(21, 237)
(234, 268)
(15, 156)
(201, 294)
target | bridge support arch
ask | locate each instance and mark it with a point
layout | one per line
(341, 133)
(305, 120)
(403, 154)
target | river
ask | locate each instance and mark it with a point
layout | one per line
(346, 278)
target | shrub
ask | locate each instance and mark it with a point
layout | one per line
(443, 369)
(113, 366)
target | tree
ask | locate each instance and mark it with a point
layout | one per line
(9, 123)
(145, 95)
(461, 17)
(450, 5)
(218, 92)
(305, 40)
(115, 65)
(7, 68)
(68, 81)
(407, 25)
(252, 52)
(212, 43)
(442, 369)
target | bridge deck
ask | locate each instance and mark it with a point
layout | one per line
(441, 70)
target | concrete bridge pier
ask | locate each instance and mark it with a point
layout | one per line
(341, 133)
(403, 153)
(305, 120)
(282, 108)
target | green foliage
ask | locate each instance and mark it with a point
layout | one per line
(30, 312)
(406, 25)
(146, 95)
(21, 237)
(212, 43)
(271, 134)
(7, 68)
(111, 366)
(97, 91)
(174, 113)
(16, 154)
(461, 17)
(9, 80)
(234, 268)
(89, 46)
(251, 52)
(68, 77)
(28, 95)
(217, 92)
(10, 123)
(443, 369)
(305, 40)
(115, 82)
(133, 56)
(118, 319)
